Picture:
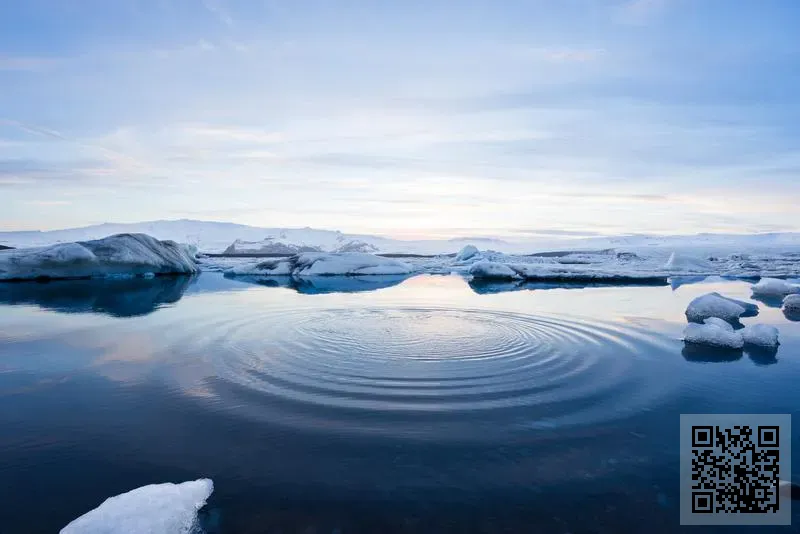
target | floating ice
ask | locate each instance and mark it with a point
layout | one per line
(154, 509)
(113, 256)
(715, 305)
(467, 253)
(683, 263)
(493, 270)
(791, 304)
(713, 335)
(761, 335)
(325, 264)
(716, 321)
(773, 287)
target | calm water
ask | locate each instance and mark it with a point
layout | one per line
(374, 405)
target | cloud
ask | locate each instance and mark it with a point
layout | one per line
(215, 8)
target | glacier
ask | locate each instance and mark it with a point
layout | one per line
(154, 509)
(116, 255)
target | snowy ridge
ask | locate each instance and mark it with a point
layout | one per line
(209, 236)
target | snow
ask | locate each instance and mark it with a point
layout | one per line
(113, 256)
(684, 263)
(791, 304)
(324, 264)
(466, 253)
(713, 335)
(761, 335)
(715, 305)
(772, 287)
(154, 509)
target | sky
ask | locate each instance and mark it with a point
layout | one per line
(409, 119)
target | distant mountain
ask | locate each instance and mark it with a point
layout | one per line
(211, 236)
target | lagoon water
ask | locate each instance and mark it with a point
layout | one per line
(367, 405)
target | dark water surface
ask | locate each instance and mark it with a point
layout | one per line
(367, 405)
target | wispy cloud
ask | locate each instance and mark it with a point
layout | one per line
(216, 8)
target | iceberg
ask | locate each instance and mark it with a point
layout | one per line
(467, 253)
(493, 270)
(773, 287)
(715, 305)
(760, 335)
(713, 335)
(113, 256)
(324, 264)
(154, 509)
(681, 263)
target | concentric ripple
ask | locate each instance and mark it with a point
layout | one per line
(423, 371)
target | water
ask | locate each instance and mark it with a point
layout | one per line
(364, 405)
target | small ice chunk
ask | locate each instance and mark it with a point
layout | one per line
(715, 305)
(791, 304)
(466, 253)
(716, 321)
(713, 336)
(154, 509)
(493, 270)
(681, 263)
(773, 287)
(761, 335)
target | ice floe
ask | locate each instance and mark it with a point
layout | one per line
(324, 264)
(791, 303)
(773, 287)
(715, 305)
(154, 509)
(713, 335)
(760, 335)
(116, 255)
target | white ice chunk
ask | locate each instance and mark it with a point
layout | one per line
(713, 336)
(791, 304)
(773, 287)
(467, 253)
(493, 270)
(684, 263)
(116, 255)
(325, 264)
(716, 321)
(154, 509)
(715, 305)
(760, 334)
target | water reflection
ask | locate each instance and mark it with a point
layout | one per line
(488, 287)
(317, 285)
(769, 301)
(760, 356)
(116, 297)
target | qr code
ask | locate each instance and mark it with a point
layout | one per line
(735, 463)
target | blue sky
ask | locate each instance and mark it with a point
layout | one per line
(411, 119)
